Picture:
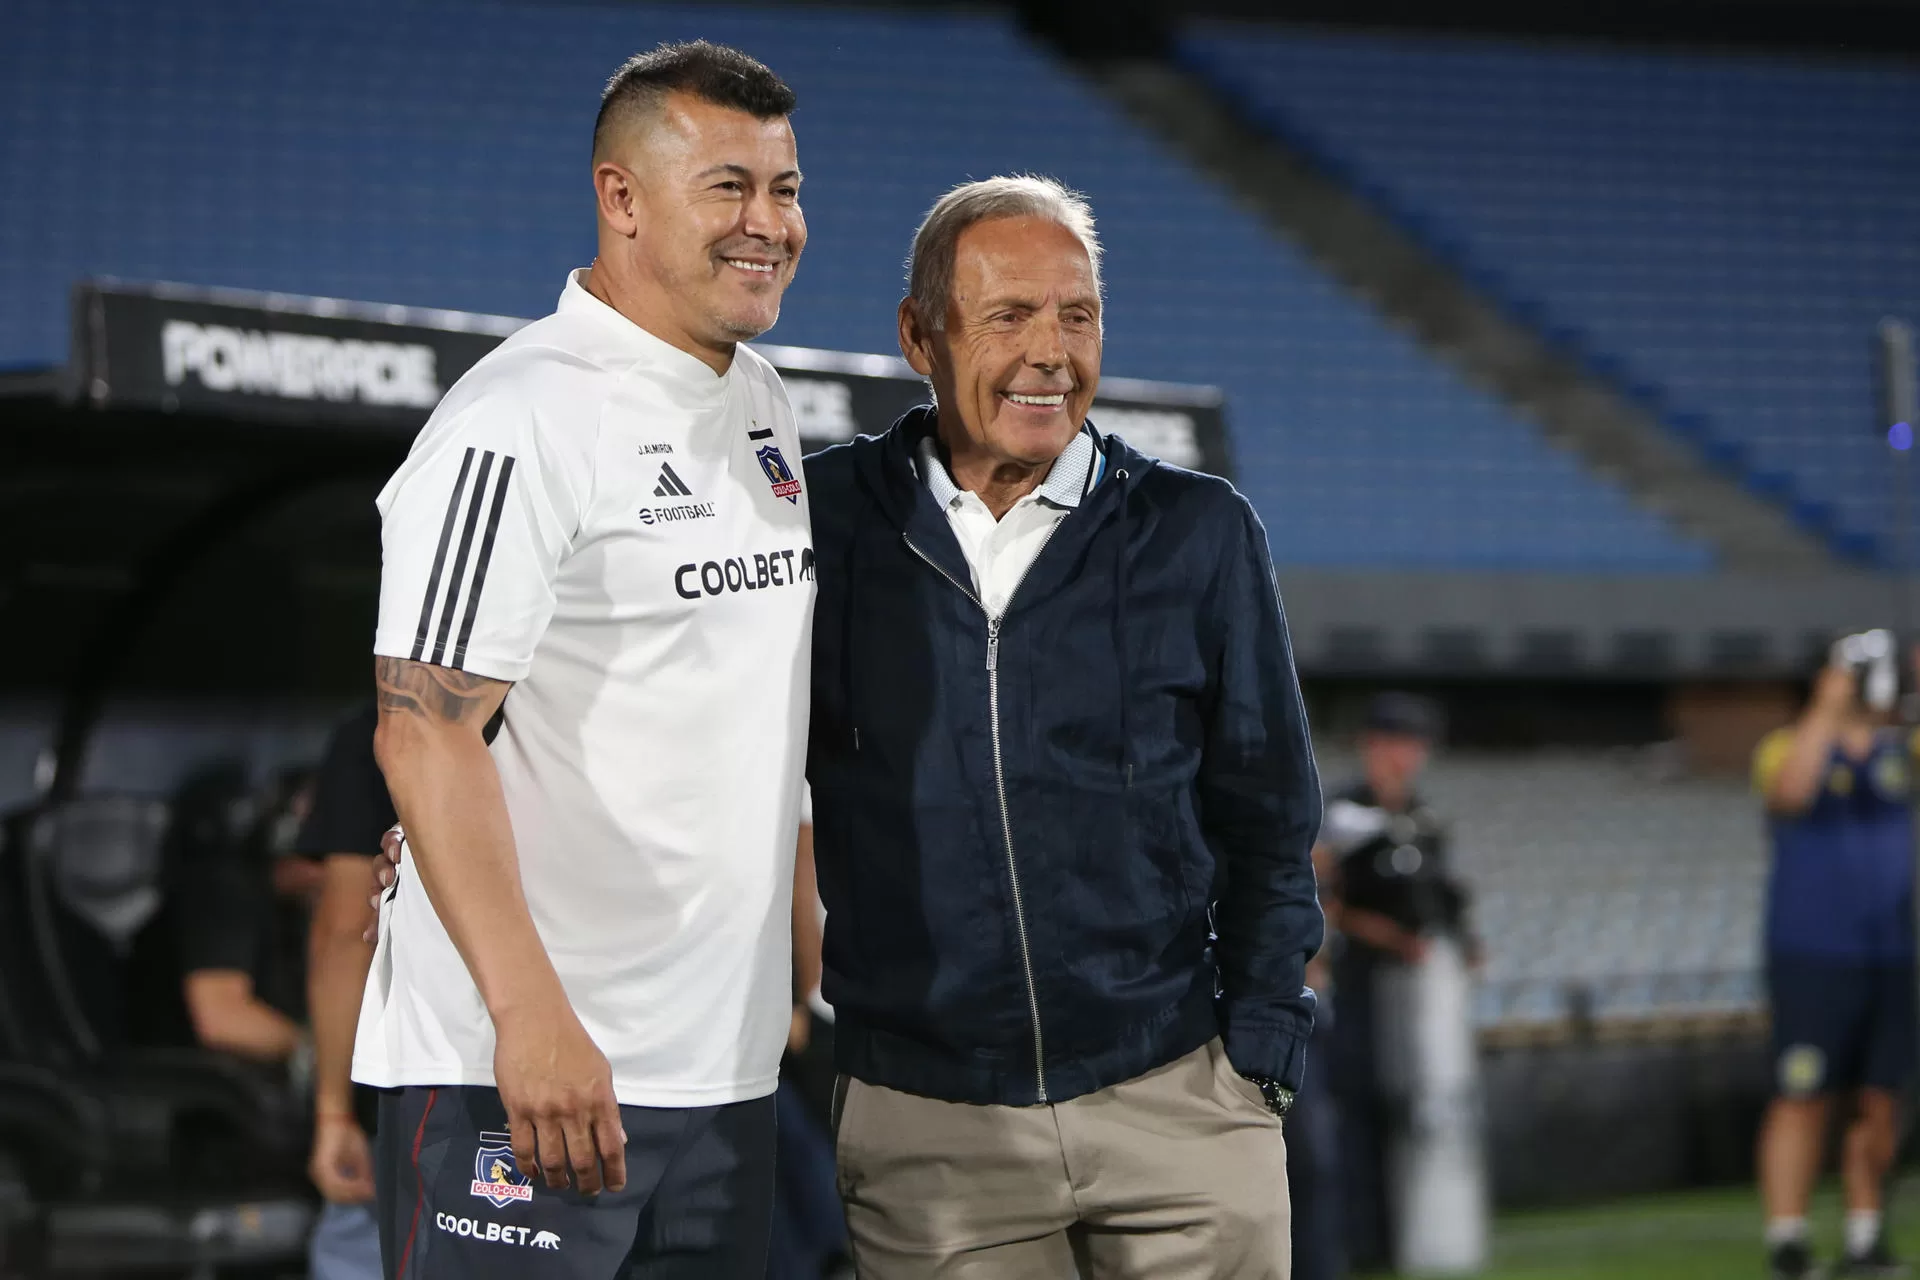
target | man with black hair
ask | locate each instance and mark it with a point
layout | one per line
(581, 988)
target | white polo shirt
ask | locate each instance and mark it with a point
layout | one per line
(601, 519)
(999, 552)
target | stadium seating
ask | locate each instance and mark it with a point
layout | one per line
(1601, 884)
(433, 153)
(133, 1154)
(1717, 235)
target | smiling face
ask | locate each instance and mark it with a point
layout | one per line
(1016, 367)
(701, 204)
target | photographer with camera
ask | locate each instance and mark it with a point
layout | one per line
(1840, 949)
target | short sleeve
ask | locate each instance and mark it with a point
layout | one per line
(1770, 757)
(806, 805)
(474, 527)
(351, 807)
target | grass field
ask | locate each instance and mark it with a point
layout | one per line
(1695, 1235)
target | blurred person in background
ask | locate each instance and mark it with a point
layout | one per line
(809, 1231)
(1056, 734)
(1382, 863)
(350, 811)
(809, 1061)
(593, 711)
(235, 920)
(1837, 785)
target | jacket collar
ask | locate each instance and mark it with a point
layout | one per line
(885, 465)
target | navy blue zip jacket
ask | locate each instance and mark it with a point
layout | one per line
(1025, 826)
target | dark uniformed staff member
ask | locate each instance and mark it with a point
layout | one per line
(1840, 958)
(1381, 859)
(231, 926)
(342, 832)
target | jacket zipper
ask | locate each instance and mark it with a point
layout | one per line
(1000, 786)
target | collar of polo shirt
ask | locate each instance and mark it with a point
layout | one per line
(1071, 478)
(686, 370)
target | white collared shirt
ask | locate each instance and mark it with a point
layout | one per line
(603, 520)
(999, 552)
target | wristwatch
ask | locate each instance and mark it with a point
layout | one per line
(1279, 1097)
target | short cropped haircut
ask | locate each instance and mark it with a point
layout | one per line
(930, 265)
(714, 73)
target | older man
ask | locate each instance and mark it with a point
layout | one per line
(1064, 802)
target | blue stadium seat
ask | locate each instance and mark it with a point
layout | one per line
(435, 153)
(1718, 235)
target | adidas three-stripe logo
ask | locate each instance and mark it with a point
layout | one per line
(462, 595)
(671, 485)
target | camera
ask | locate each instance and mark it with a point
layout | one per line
(1874, 659)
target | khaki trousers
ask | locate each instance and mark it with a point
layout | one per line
(1180, 1174)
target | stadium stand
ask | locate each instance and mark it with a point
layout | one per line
(1599, 883)
(143, 1154)
(432, 153)
(1717, 235)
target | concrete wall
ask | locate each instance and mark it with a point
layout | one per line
(1558, 625)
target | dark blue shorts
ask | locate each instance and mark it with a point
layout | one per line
(454, 1205)
(1839, 1025)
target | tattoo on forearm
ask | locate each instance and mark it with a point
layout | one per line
(430, 692)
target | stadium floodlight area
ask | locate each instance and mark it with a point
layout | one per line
(434, 154)
(1717, 235)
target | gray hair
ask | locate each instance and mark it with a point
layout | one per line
(930, 265)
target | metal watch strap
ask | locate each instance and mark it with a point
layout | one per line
(1279, 1098)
